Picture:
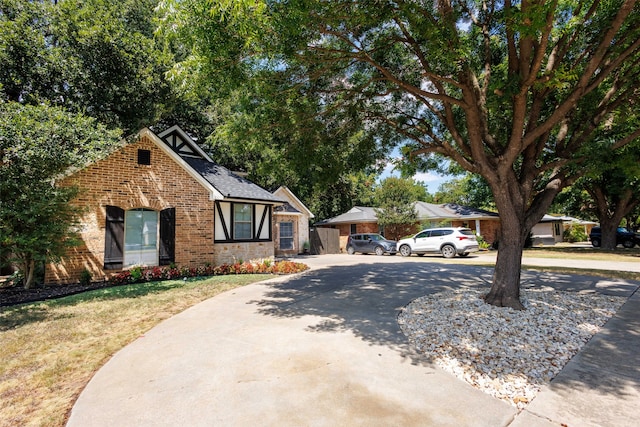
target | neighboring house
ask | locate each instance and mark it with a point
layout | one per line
(162, 200)
(484, 223)
(358, 219)
(290, 224)
(361, 219)
(549, 230)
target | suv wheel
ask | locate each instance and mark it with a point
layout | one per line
(448, 251)
(595, 242)
(350, 250)
(628, 243)
(405, 250)
(379, 250)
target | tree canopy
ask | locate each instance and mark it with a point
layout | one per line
(510, 91)
(37, 145)
(97, 57)
(394, 201)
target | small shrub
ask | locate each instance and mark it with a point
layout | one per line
(575, 233)
(528, 242)
(85, 277)
(483, 244)
(136, 273)
(122, 278)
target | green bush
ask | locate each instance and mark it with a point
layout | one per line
(575, 233)
(483, 244)
(85, 277)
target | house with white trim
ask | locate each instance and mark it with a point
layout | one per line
(161, 200)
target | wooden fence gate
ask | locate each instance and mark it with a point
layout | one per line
(324, 241)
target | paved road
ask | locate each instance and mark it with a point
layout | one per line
(324, 349)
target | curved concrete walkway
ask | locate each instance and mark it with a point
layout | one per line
(319, 349)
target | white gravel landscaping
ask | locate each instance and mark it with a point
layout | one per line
(506, 353)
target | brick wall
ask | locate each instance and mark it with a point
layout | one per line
(120, 181)
(229, 253)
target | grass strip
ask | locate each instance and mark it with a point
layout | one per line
(51, 349)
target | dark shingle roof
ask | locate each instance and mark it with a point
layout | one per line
(286, 208)
(467, 211)
(227, 183)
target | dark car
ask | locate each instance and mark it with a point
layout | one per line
(623, 237)
(368, 242)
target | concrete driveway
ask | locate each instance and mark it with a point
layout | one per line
(319, 349)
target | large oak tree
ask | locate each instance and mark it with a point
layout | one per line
(511, 91)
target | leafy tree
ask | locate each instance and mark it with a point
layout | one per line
(97, 57)
(30, 65)
(395, 198)
(469, 190)
(609, 190)
(114, 65)
(510, 91)
(613, 189)
(37, 145)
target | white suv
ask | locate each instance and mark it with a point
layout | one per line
(448, 241)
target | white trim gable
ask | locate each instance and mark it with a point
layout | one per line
(179, 141)
(288, 194)
(213, 193)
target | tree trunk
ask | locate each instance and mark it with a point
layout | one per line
(29, 272)
(608, 227)
(505, 289)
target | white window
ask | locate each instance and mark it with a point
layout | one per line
(242, 221)
(141, 237)
(286, 236)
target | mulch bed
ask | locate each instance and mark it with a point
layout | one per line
(18, 295)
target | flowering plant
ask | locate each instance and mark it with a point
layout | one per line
(139, 274)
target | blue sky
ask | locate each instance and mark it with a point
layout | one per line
(431, 179)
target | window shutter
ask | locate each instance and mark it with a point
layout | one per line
(113, 238)
(167, 236)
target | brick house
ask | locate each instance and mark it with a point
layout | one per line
(162, 200)
(362, 219)
(290, 224)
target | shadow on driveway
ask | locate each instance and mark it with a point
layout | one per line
(366, 298)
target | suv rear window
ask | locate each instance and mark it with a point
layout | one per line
(467, 232)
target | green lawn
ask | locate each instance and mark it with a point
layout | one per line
(50, 350)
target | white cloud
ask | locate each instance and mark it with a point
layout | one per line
(431, 180)
(428, 177)
(389, 169)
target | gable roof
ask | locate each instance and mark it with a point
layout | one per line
(230, 185)
(355, 214)
(468, 212)
(295, 203)
(553, 218)
(425, 211)
(286, 208)
(220, 181)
